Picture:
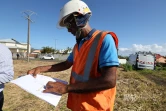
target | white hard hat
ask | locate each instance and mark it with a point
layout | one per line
(71, 7)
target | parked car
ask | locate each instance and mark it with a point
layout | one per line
(142, 60)
(47, 57)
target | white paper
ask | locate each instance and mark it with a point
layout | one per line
(36, 86)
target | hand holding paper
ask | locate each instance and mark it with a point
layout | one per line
(56, 87)
(36, 86)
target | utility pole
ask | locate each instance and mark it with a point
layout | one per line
(28, 14)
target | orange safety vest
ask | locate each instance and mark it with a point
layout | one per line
(85, 67)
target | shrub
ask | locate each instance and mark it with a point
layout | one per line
(160, 68)
(164, 68)
(146, 71)
(127, 67)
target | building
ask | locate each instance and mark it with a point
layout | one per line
(61, 51)
(15, 46)
(36, 52)
(160, 59)
(122, 61)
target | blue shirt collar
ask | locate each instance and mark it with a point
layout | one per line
(89, 34)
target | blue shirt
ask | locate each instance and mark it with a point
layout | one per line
(6, 66)
(108, 52)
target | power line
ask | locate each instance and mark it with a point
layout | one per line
(27, 15)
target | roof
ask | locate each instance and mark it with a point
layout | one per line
(15, 47)
(9, 41)
(158, 56)
(24, 43)
(144, 52)
(36, 51)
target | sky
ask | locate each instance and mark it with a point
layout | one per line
(139, 24)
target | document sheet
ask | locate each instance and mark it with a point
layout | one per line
(36, 86)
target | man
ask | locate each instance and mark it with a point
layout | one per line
(18, 55)
(94, 63)
(6, 70)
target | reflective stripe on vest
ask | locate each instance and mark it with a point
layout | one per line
(89, 61)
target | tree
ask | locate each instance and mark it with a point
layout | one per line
(47, 50)
(57, 52)
(67, 50)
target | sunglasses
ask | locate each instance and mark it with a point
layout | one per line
(69, 22)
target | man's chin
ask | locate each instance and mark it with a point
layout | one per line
(73, 34)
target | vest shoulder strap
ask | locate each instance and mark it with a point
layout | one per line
(114, 37)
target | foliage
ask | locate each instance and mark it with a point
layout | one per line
(47, 50)
(161, 64)
(160, 68)
(123, 57)
(146, 71)
(57, 52)
(68, 49)
(127, 67)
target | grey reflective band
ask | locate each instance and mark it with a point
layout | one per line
(78, 77)
(89, 61)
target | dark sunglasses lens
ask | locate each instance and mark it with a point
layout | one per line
(68, 25)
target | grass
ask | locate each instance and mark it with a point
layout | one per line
(136, 90)
(16, 99)
(141, 91)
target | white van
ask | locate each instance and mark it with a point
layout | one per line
(143, 60)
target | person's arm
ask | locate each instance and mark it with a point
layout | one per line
(6, 65)
(106, 81)
(56, 67)
(108, 62)
(51, 68)
(6, 73)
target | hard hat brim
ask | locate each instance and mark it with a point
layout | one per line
(61, 22)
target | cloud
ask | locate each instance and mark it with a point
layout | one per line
(160, 49)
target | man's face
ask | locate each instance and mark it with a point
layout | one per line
(71, 24)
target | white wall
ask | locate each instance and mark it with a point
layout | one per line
(122, 61)
(18, 47)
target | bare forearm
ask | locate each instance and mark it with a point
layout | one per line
(56, 67)
(107, 80)
(91, 85)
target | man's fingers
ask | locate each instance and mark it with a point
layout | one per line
(45, 91)
(48, 90)
(29, 72)
(49, 85)
(34, 71)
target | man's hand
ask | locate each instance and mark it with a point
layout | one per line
(34, 71)
(56, 87)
